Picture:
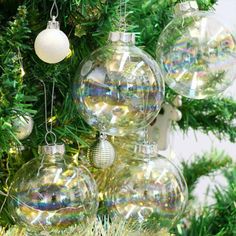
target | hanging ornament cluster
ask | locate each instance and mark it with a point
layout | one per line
(102, 154)
(47, 192)
(148, 186)
(50, 191)
(23, 126)
(52, 45)
(119, 88)
(197, 53)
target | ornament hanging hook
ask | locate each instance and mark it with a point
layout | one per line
(49, 129)
(53, 135)
(103, 136)
(54, 6)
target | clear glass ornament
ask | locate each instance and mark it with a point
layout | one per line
(48, 193)
(148, 187)
(119, 88)
(197, 53)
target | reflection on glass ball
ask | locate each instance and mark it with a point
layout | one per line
(197, 53)
(149, 186)
(119, 88)
(52, 194)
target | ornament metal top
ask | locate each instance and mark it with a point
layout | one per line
(52, 45)
(197, 53)
(119, 87)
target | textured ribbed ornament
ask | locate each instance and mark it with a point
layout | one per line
(102, 154)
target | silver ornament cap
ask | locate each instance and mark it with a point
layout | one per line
(102, 154)
(52, 149)
(185, 7)
(122, 37)
(53, 24)
(146, 148)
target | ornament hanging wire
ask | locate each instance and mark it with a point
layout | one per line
(7, 188)
(123, 15)
(54, 6)
(49, 129)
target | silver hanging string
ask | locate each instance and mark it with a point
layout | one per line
(54, 6)
(49, 129)
(20, 57)
(123, 15)
(5, 194)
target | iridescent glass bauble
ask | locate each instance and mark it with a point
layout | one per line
(197, 53)
(48, 193)
(119, 88)
(148, 187)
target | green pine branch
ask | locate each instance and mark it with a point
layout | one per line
(12, 98)
(204, 166)
(219, 219)
(216, 115)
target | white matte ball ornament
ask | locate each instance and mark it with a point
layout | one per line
(52, 45)
(23, 126)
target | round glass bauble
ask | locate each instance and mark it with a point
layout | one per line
(148, 187)
(119, 88)
(197, 53)
(47, 193)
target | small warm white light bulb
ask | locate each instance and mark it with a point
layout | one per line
(22, 72)
(52, 45)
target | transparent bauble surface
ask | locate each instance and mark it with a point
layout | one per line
(49, 193)
(148, 188)
(119, 89)
(197, 54)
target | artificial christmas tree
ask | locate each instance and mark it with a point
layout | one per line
(87, 25)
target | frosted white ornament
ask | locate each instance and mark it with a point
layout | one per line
(52, 45)
(23, 126)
